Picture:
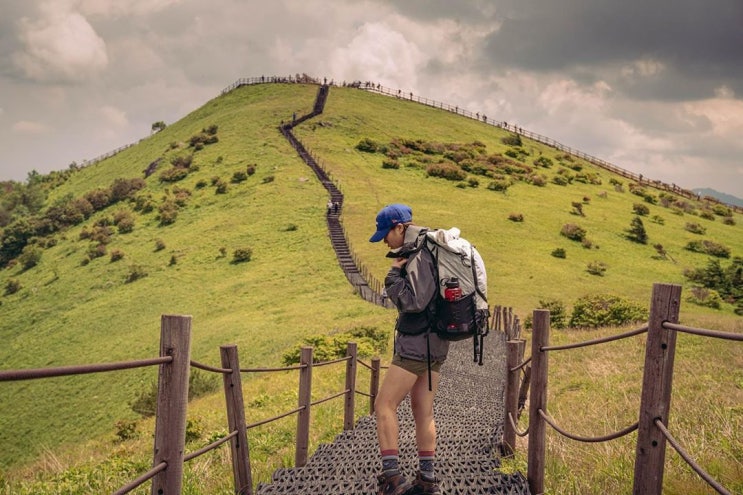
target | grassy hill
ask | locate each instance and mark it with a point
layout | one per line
(71, 309)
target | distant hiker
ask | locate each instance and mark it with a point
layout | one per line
(336, 205)
(411, 284)
(330, 206)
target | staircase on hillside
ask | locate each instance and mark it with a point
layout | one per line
(468, 408)
(335, 229)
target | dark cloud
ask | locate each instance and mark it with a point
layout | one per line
(698, 41)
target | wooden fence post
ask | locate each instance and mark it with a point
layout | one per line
(538, 401)
(374, 383)
(515, 350)
(655, 400)
(350, 401)
(305, 400)
(233, 394)
(172, 402)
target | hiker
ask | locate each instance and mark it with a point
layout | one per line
(330, 206)
(336, 205)
(411, 285)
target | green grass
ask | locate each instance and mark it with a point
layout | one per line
(67, 313)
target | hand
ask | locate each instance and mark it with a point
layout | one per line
(399, 262)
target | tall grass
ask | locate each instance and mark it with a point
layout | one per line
(596, 390)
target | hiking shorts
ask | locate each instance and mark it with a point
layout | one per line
(418, 368)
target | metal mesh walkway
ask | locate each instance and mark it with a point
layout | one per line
(469, 421)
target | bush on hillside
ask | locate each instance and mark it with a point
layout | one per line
(559, 253)
(636, 231)
(640, 209)
(500, 185)
(709, 247)
(596, 268)
(446, 171)
(558, 314)
(199, 384)
(370, 342)
(727, 281)
(573, 232)
(241, 255)
(601, 310)
(12, 286)
(512, 140)
(701, 296)
(136, 272)
(516, 217)
(367, 145)
(695, 228)
(30, 256)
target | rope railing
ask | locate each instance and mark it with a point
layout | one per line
(142, 479)
(691, 462)
(703, 332)
(35, 373)
(515, 428)
(661, 328)
(213, 369)
(211, 446)
(603, 340)
(275, 418)
(550, 421)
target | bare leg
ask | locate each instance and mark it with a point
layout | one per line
(395, 386)
(421, 401)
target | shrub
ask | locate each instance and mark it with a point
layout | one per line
(122, 189)
(369, 340)
(596, 268)
(701, 296)
(12, 286)
(636, 232)
(573, 232)
(242, 254)
(472, 182)
(30, 257)
(367, 145)
(136, 272)
(159, 244)
(728, 221)
(516, 217)
(559, 253)
(707, 215)
(173, 174)
(599, 310)
(695, 228)
(657, 219)
(124, 221)
(537, 180)
(560, 180)
(640, 209)
(116, 255)
(501, 185)
(512, 140)
(250, 169)
(96, 251)
(543, 161)
(221, 186)
(390, 164)
(99, 198)
(558, 315)
(239, 176)
(587, 243)
(709, 247)
(126, 429)
(577, 209)
(267, 179)
(446, 171)
(168, 212)
(194, 429)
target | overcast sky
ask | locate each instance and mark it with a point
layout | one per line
(655, 87)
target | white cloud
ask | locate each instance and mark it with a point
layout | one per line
(380, 53)
(60, 45)
(114, 116)
(28, 127)
(118, 8)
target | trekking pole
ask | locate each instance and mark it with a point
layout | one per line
(482, 343)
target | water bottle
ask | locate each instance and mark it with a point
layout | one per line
(452, 291)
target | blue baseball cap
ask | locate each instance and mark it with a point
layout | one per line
(388, 217)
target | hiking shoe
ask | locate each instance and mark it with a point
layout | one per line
(423, 487)
(394, 485)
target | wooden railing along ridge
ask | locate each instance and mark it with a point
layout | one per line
(397, 93)
(175, 363)
(652, 425)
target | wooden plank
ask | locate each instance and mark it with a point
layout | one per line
(538, 401)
